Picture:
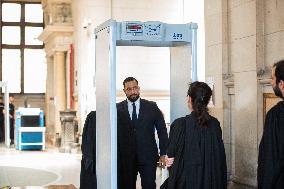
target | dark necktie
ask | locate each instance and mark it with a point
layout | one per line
(134, 115)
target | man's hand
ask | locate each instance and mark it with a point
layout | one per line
(169, 161)
(162, 161)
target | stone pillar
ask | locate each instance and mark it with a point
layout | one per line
(57, 37)
(217, 68)
(59, 86)
(49, 102)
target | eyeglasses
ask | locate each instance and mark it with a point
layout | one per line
(129, 89)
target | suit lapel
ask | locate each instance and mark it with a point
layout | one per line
(125, 111)
(141, 111)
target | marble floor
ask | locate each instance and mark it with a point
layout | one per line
(43, 168)
(48, 167)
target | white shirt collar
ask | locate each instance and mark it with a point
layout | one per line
(130, 107)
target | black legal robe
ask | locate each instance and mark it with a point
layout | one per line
(200, 160)
(88, 179)
(270, 172)
(125, 154)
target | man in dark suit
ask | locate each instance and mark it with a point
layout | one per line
(137, 120)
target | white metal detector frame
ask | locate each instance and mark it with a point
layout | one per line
(111, 34)
(4, 84)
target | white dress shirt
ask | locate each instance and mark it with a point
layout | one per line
(130, 107)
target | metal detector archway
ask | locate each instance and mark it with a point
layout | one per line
(180, 38)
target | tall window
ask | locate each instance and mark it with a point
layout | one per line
(22, 58)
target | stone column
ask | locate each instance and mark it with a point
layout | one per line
(245, 57)
(57, 37)
(49, 102)
(217, 68)
(59, 86)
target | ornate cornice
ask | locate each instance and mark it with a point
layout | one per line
(56, 38)
(53, 30)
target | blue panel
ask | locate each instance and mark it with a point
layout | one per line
(29, 137)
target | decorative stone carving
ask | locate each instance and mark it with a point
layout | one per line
(264, 72)
(57, 12)
(69, 129)
(228, 76)
(264, 76)
(228, 80)
(62, 13)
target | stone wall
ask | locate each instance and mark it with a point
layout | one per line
(243, 40)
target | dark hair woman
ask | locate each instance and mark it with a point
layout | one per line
(196, 155)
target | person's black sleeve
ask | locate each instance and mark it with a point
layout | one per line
(161, 130)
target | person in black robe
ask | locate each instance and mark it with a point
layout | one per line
(126, 174)
(196, 155)
(88, 178)
(270, 172)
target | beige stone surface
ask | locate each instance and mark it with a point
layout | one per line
(213, 24)
(97, 14)
(214, 60)
(274, 15)
(245, 164)
(59, 87)
(243, 54)
(238, 3)
(242, 20)
(146, 4)
(212, 7)
(245, 127)
(242, 131)
(97, 3)
(274, 47)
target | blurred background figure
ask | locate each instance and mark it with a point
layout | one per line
(2, 129)
(12, 117)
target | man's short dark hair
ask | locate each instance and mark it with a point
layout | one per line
(279, 70)
(11, 95)
(129, 79)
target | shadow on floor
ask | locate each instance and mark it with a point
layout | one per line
(232, 185)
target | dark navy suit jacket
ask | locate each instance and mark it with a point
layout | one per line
(137, 144)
